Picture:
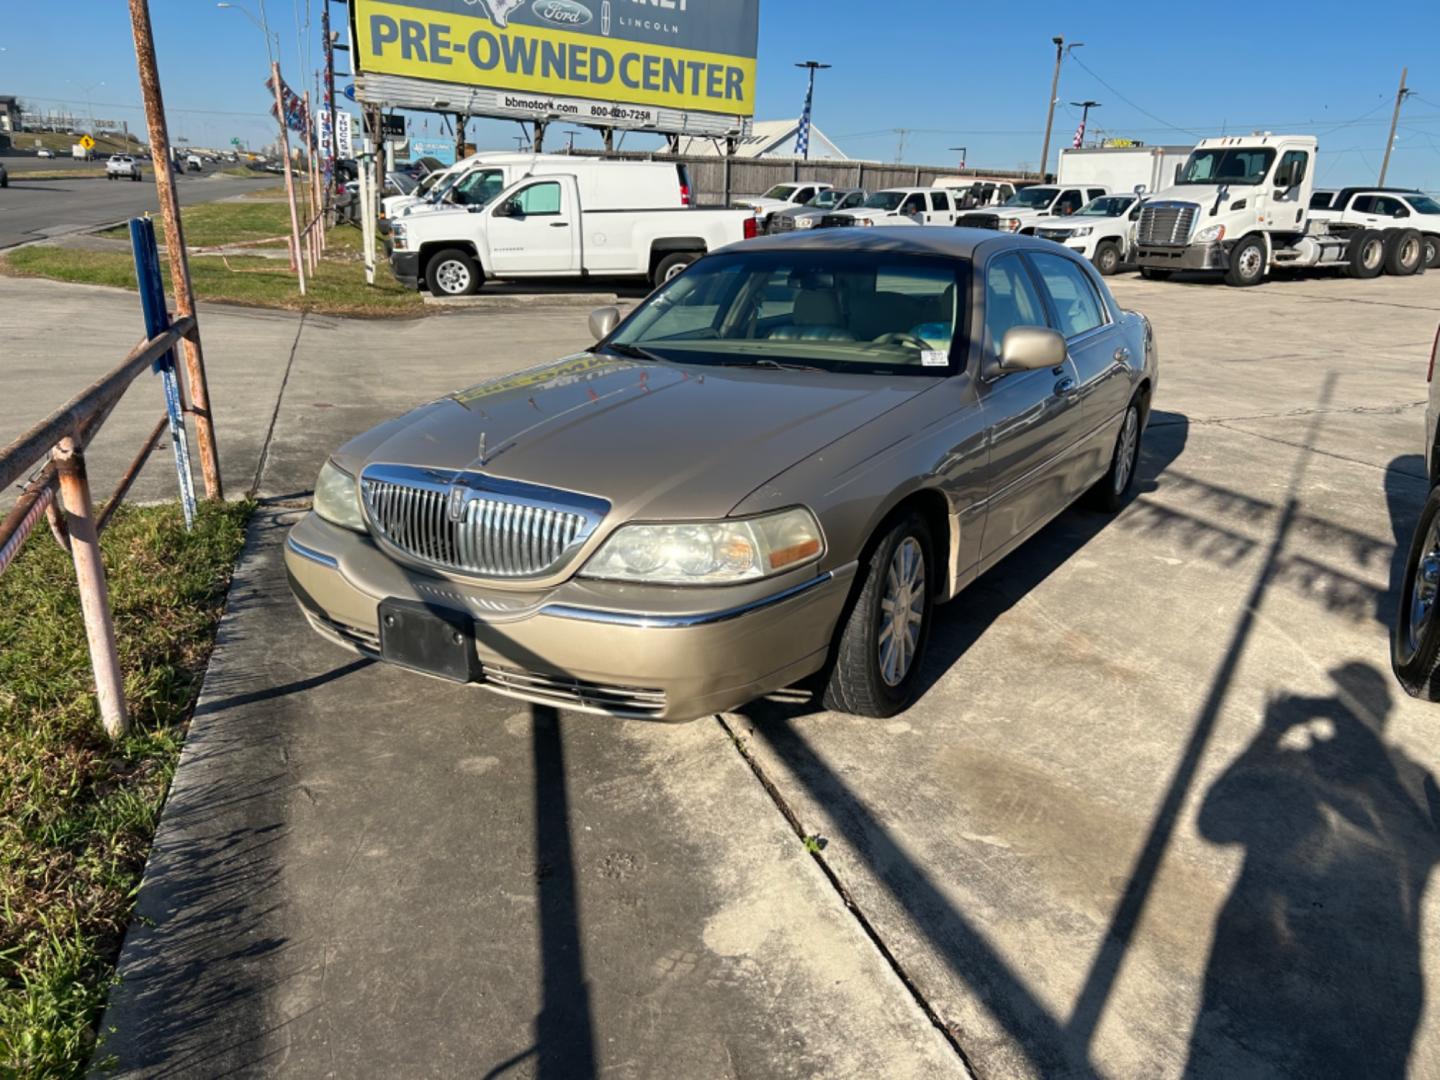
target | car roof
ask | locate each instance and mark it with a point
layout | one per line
(944, 240)
(1345, 194)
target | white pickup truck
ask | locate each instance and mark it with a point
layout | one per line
(897, 206)
(588, 221)
(122, 167)
(1383, 208)
(1103, 230)
(1020, 212)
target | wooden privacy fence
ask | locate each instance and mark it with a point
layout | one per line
(52, 455)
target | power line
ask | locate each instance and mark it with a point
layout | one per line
(1138, 108)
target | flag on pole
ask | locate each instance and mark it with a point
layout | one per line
(294, 105)
(1080, 135)
(802, 133)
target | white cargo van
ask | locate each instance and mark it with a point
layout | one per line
(1122, 168)
(571, 217)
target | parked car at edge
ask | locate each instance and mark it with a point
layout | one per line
(968, 192)
(809, 215)
(896, 206)
(775, 466)
(122, 167)
(546, 224)
(42, 152)
(1383, 208)
(1020, 212)
(1103, 230)
(1415, 630)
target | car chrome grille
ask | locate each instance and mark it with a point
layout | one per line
(782, 223)
(570, 693)
(978, 221)
(1059, 235)
(1166, 223)
(836, 221)
(477, 525)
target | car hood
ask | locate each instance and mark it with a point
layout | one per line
(658, 441)
(758, 203)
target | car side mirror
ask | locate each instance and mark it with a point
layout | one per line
(1030, 348)
(603, 321)
(1402, 212)
(509, 208)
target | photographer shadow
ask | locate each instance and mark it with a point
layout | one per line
(1315, 967)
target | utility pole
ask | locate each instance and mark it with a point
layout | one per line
(813, 66)
(1084, 119)
(963, 151)
(1400, 96)
(1060, 51)
(902, 134)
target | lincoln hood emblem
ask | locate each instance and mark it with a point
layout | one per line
(455, 503)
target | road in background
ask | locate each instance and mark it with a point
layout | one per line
(36, 209)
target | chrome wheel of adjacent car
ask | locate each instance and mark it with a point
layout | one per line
(1125, 451)
(1415, 637)
(902, 611)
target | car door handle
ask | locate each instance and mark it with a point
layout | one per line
(1064, 386)
(559, 224)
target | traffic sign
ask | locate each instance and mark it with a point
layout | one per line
(87, 142)
(235, 142)
(350, 91)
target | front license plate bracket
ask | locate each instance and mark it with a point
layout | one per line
(435, 640)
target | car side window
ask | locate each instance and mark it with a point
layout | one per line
(940, 199)
(915, 204)
(1010, 301)
(540, 199)
(804, 195)
(1077, 305)
(1292, 169)
(1363, 204)
(1386, 206)
(1068, 202)
(1095, 193)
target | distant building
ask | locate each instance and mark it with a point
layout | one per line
(768, 139)
(9, 114)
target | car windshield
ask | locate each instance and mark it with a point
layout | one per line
(1244, 167)
(478, 188)
(1423, 204)
(1032, 198)
(779, 191)
(885, 200)
(823, 200)
(835, 310)
(1108, 206)
(855, 198)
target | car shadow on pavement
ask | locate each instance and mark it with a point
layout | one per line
(1315, 966)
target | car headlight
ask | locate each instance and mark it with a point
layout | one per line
(864, 221)
(1083, 231)
(804, 223)
(1209, 235)
(397, 236)
(336, 499)
(709, 552)
(1008, 224)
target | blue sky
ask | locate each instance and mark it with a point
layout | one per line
(958, 73)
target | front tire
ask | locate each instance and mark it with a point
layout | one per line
(453, 272)
(1112, 489)
(875, 667)
(1415, 636)
(1107, 258)
(1247, 263)
(1432, 251)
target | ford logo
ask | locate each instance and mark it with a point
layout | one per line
(562, 12)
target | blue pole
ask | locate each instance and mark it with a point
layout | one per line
(157, 321)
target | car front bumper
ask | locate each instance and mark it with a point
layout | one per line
(604, 647)
(1189, 257)
(405, 265)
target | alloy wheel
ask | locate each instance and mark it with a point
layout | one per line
(902, 611)
(453, 276)
(1125, 453)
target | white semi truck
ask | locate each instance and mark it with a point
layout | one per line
(1241, 205)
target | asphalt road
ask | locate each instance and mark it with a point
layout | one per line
(36, 209)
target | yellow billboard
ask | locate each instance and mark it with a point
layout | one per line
(632, 51)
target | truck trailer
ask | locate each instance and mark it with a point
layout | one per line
(1122, 168)
(1241, 205)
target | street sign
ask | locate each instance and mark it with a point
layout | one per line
(350, 91)
(235, 142)
(87, 142)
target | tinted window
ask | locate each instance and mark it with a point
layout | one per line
(540, 199)
(479, 187)
(804, 195)
(1232, 166)
(915, 204)
(1363, 204)
(941, 200)
(1069, 202)
(1386, 206)
(1321, 200)
(1292, 168)
(1094, 192)
(855, 198)
(1077, 307)
(1010, 301)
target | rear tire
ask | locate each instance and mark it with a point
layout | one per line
(1404, 252)
(672, 265)
(453, 272)
(1432, 251)
(1415, 635)
(1107, 258)
(1112, 489)
(1247, 263)
(1366, 254)
(866, 679)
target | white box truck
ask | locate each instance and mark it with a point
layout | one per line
(1241, 205)
(1122, 168)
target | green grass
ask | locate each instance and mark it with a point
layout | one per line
(77, 813)
(237, 222)
(338, 289)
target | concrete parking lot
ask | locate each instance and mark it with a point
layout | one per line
(1160, 811)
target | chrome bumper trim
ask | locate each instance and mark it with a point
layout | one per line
(310, 553)
(704, 618)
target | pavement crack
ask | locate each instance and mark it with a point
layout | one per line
(275, 412)
(1315, 450)
(868, 928)
(1294, 414)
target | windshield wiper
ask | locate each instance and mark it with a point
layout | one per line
(772, 365)
(634, 352)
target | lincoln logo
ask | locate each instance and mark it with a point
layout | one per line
(457, 502)
(562, 12)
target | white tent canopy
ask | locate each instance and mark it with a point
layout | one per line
(768, 138)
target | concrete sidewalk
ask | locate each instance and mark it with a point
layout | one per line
(1161, 810)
